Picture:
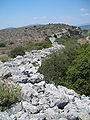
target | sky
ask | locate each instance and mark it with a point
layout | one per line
(17, 13)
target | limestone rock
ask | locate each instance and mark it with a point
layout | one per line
(84, 116)
(39, 116)
(4, 116)
(31, 108)
(62, 102)
(62, 119)
(24, 116)
(51, 114)
(5, 71)
(15, 109)
(36, 78)
(28, 91)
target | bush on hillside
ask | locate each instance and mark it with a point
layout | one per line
(86, 33)
(2, 45)
(78, 72)
(55, 66)
(69, 67)
(38, 45)
(9, 94)
(17, 51)
(65, 38)
(48, 40)
(30, 46)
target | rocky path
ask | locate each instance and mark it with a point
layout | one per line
(41, 101)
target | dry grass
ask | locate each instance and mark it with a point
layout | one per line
(82, 41)
(4, 57)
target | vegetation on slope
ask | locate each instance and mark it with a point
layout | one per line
(9, 93)
(38, 45)
(2, 44)
(86, 33)
(4, 58)
(65, 38)
(30, 46)
(17, 51)
(69, 67)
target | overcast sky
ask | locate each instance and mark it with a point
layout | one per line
(15, 13)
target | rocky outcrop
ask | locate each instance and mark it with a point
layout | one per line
(88, 39)
(85, 40)
(41, 101)
(65, 31)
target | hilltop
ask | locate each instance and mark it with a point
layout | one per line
(31, 33)
(14, 37)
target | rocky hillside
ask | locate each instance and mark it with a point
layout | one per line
(41, 101)
(14, 37)
(35, 33)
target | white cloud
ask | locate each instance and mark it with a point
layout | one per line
(83, 9)
(39, 18)
(86, 14)
(35, 18)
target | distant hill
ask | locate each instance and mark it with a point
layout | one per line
(31, 33)
(85, 27)
(14, 37)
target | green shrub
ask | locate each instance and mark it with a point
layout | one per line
(4, 59)
(17, 51)
(48, 40)
(65, 38)
(2, 45)
(9, 94)
(69, 67)
(78, 72)
(38, 45)
(86, 33)
(54, 67)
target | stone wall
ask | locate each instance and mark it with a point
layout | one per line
(41, 101)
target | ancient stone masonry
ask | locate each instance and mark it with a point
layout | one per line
(41, 101)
